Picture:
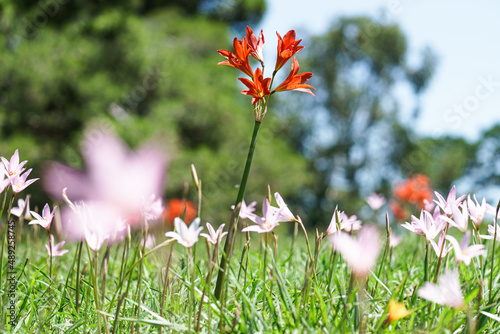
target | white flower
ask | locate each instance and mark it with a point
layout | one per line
(215, 236)
(23, 206)
(463, 252)
(186, 236)
(286, 215)
(268, 222)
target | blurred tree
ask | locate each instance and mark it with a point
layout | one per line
(443, 160)
(483, 172)
(352, 133)
(148, 70)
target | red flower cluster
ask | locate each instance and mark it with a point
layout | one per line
(258, 86)
(413, 191)
(176, 207)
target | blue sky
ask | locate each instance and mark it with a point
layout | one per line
(463, 98)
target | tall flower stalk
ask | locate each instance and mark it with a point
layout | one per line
(260, 88)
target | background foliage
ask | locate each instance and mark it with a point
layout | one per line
(148, 69)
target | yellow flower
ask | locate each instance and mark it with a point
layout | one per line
(396, 311)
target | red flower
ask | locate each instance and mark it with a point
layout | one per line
(239, 59)
(287, 47)
(258, 88)
(399, 213)
(176, 207)
(256, 45)
(296, 81)
(414, 190)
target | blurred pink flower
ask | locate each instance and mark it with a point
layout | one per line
(152, 208)
(463, 252)
(447, 292)
(46, 219)
(186, 236)
(19, 182)
(360, 254)
(215, 236)
(56, 249)
(23, 207)
(394, 240)
(268, 222)
(94, 222)
(375, 201)
(114, 177)
(13, 167)
(491, 232)
(4, 182)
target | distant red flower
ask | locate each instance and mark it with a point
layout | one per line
(287, 47)
(176, 207)
(399, 213)
(296, 81)
(238, 59)
(414, 190)
(258, 88)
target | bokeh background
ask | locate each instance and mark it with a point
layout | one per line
(385, 109)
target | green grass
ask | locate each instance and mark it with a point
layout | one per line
(288, 295)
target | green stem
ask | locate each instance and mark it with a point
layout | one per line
(77, 297)
(228, 247)
(495, 222)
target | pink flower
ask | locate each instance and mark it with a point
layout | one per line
(460, 218)
(19, 182)
(394, 240)
(94, 222)
(463, 252)
(115, 177)
(360, 254)
(268, 222)
(426, 225)
(215, 236)
(4, 182)
(491, 232)
(285, 214)
(186, 236)
(13, 167)
(445, 205)
(375, 201)
(440, 249)
(246, 211)
(476, 210)
(345, 223)
(23, 207)
(56, 249)
(152, 209)
(447, 292)
(46, 219)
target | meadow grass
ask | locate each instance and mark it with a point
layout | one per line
(287, 292)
